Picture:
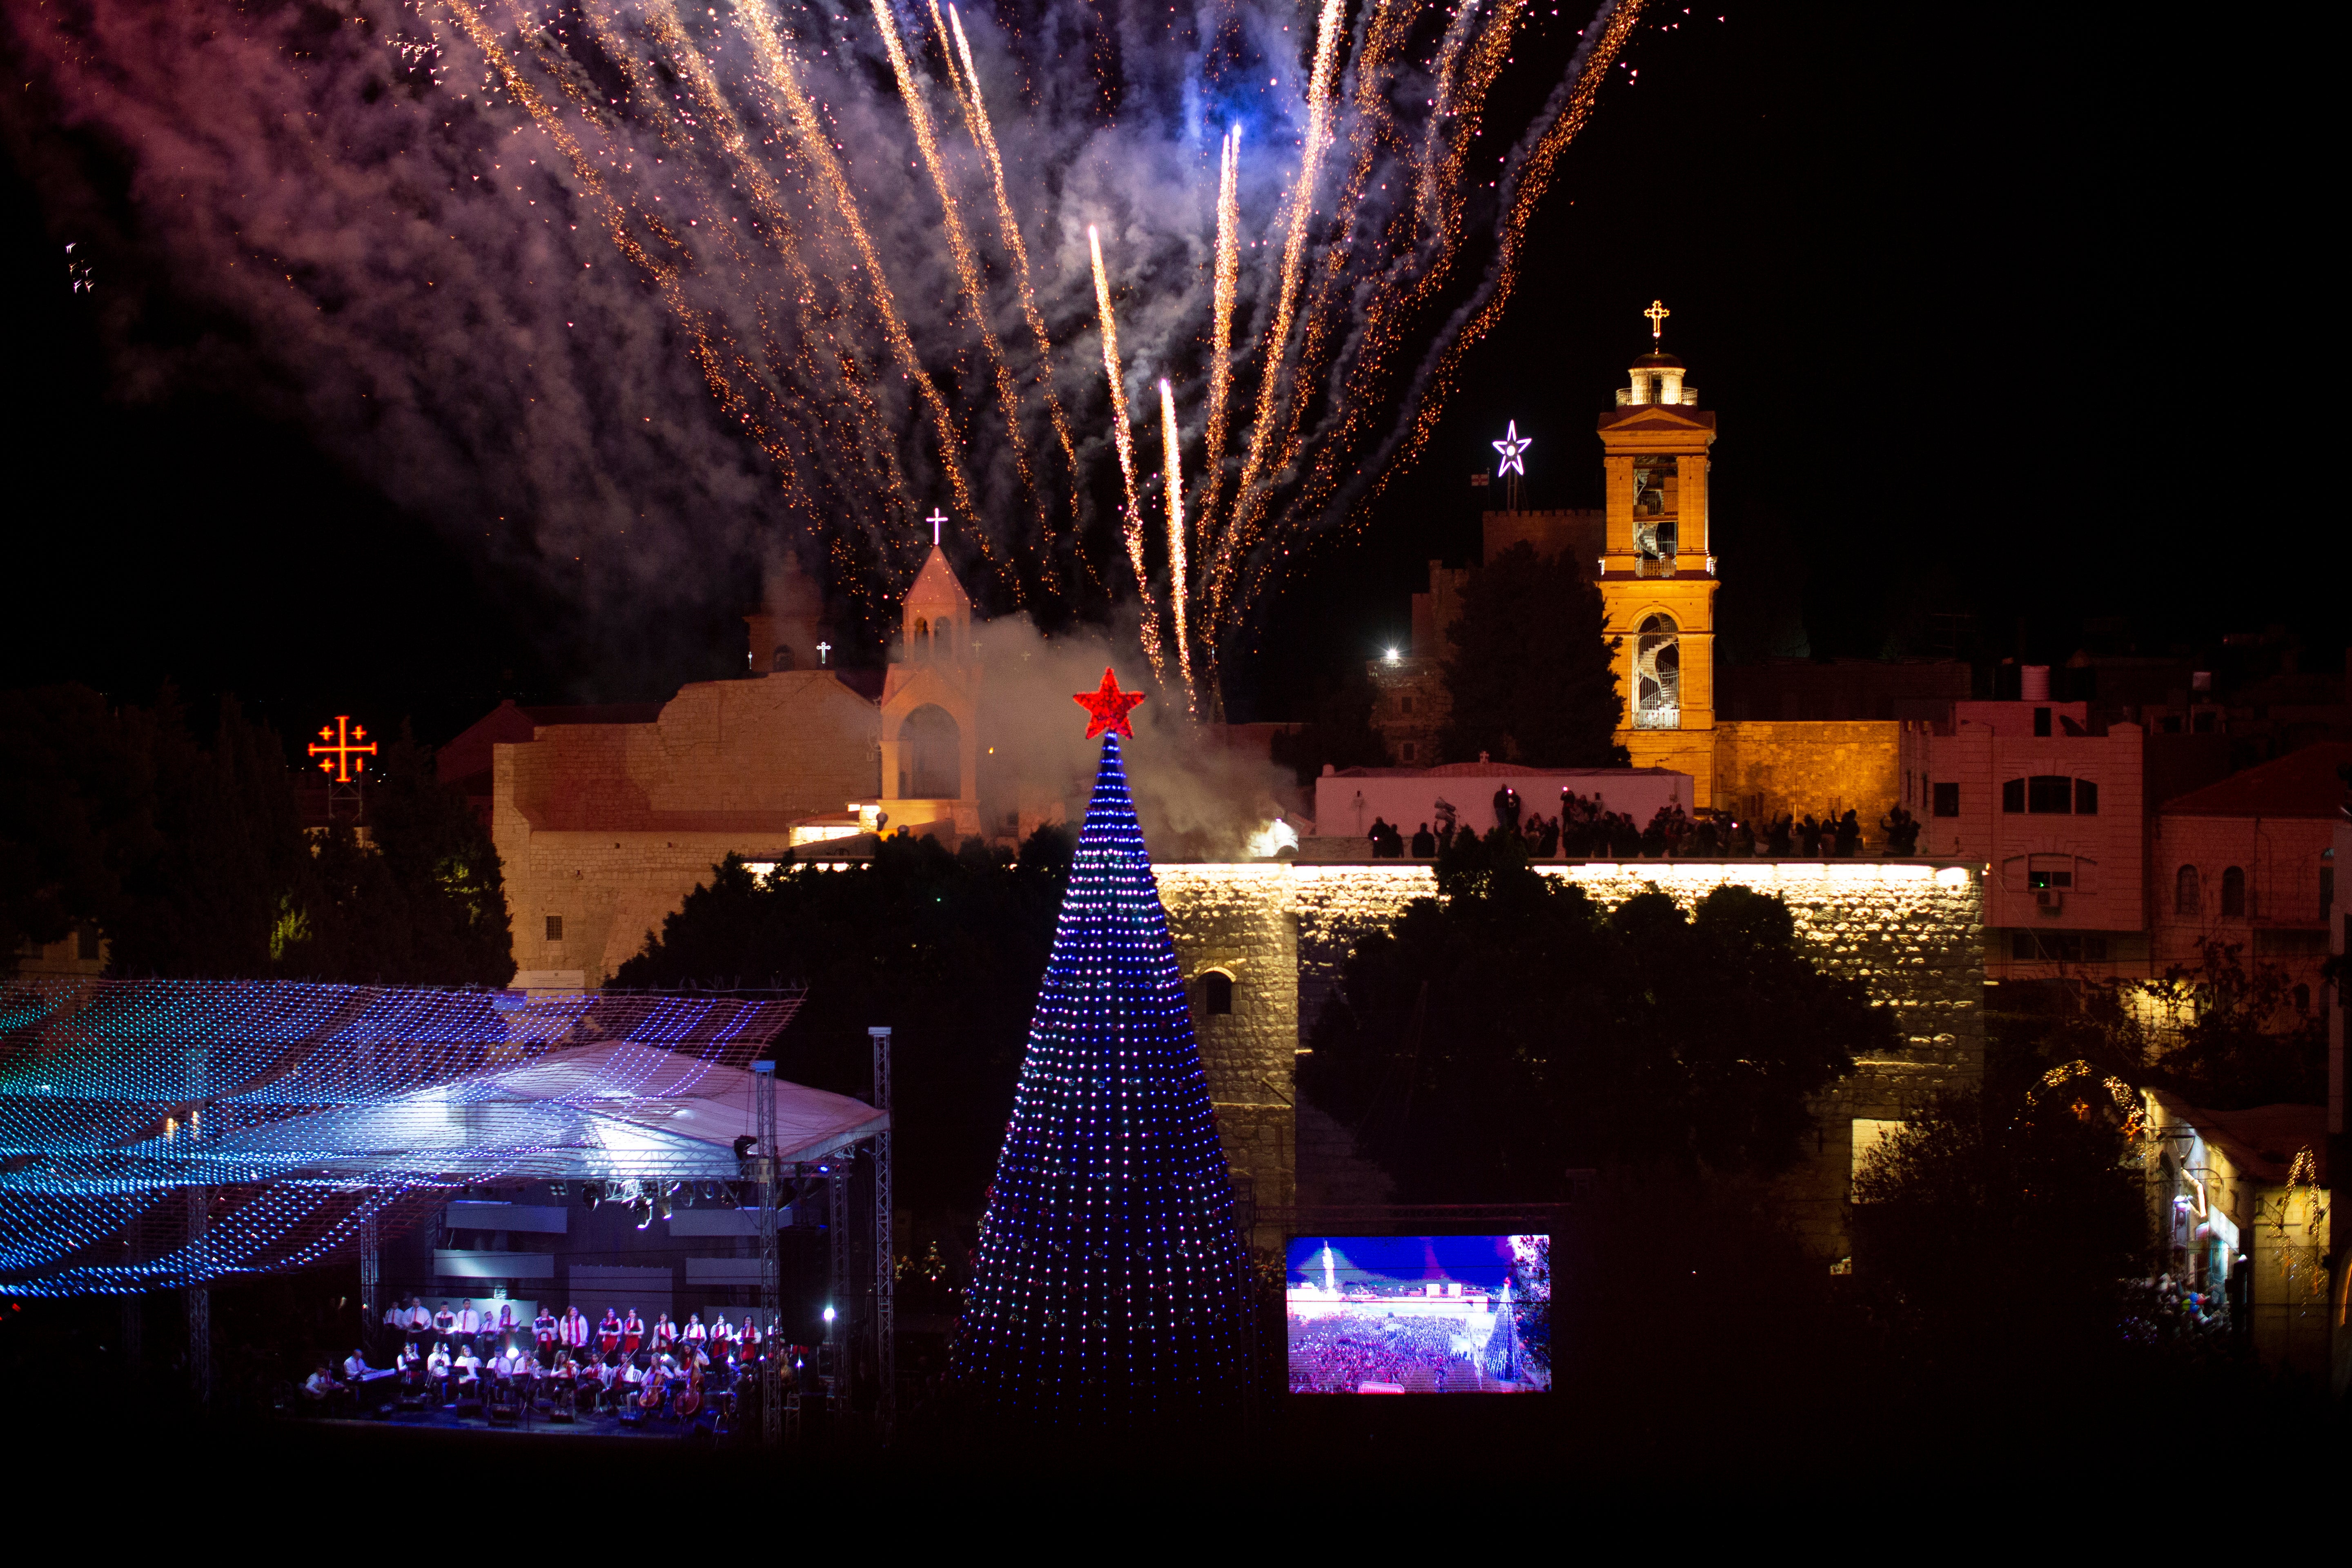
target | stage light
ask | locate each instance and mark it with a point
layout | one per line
(828, 1317)
(644, 1210)
(1393, 656)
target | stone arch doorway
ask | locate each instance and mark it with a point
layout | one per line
(930, 751)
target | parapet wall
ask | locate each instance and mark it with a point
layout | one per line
(1908, 930)
(1763, 768)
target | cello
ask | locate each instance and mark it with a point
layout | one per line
(690, 1403)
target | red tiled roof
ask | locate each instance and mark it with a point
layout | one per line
(2301, 784)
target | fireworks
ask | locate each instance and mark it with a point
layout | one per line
(1171, 449)
(1123, 436)
(792, 216)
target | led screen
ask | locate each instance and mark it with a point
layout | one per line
(1419, 1314)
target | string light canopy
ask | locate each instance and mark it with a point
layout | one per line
(167, 1133)
(1109, 1287)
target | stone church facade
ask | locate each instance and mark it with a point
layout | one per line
(606, 818)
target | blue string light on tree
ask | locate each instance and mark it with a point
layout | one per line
(1111, 1285)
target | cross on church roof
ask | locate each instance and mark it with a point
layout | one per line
(822, 650)
(936, 520)
(1657, 313)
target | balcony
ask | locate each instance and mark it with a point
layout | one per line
(1658, 719)
(1650, 566)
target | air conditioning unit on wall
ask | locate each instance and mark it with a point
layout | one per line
(2049, 901)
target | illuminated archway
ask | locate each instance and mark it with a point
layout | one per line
(930, 746)
(1657, 674)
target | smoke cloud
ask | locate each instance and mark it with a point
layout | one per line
(582, 284)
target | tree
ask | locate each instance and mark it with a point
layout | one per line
(421, 901)
(1507, 1031)
(946, 948)
(2041, 1182)
(1532, 675)
(189, 854)
(1339, 731)
(1108, 1292)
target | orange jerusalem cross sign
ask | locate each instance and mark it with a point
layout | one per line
(342, 757)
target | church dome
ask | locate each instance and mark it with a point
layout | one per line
(1657, 362)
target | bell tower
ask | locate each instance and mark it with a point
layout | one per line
(931, 761)
(1657, 573)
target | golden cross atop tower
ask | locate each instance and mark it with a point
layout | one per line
(1657, 312)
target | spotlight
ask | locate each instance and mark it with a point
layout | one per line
(591, 1194)
(662, 1207)
(644, 1212)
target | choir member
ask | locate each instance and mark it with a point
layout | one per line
(721, 1332)
(444, 1322)
(542, 1334)
(608, 1332)
(420, 1317)
(470, 1321)
(694, 1333)
(573, 1333)
(632, 1333)
(664, 1332)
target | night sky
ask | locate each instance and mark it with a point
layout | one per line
(1986, 308)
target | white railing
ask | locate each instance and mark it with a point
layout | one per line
(1658, 719)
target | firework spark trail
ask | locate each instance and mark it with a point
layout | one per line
(1131, 522)
(1171, 449)
(859, 431)
(960, 248)
(777, 71)
(1570, 108)
(706, 353)
(1248, 500)
(1467, 62)
(1386, 31)
(1221, 328)
(1010, 226)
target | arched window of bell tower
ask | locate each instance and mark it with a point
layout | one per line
(1657, 674)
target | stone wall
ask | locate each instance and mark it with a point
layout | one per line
(1906, 930)
(1764, 768)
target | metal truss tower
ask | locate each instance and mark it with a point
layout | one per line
(772, 1389)
(886, 1251)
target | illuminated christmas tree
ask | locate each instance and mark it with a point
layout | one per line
(1109, 1290)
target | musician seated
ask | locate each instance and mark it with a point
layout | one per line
(322, 1390)
(512, 1365)
(355, 1366)
(436, 1369)
(469, 1371)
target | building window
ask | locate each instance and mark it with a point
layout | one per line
(2233, 890)
(2012, 796)
(2086, 798)
(2326, 892)
(555, 928)
(2041, 721)
(2039, 880)
(2184, 891)
(1404, 704)
(1216, 993)
(2049, 793)
(1948, 800)
(1408, 749)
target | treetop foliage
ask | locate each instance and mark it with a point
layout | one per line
(1510, 1030)
(1532, 675)
(188, 854)
(946, 947)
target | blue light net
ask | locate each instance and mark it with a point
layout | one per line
(159, 1133)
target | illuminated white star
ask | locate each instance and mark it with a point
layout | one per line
(1511, 445)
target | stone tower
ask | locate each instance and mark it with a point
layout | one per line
(929, 740)
(1657, 569)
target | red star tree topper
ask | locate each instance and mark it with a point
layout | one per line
(1108, 707)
